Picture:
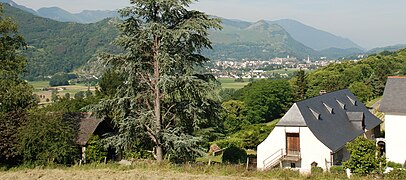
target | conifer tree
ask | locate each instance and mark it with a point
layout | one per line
(161, 97)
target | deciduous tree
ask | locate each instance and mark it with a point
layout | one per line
(15, 94)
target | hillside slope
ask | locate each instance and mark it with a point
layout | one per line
(314, 38)
(59, 47)
(260, 40)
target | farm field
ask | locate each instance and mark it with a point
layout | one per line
(230, 83)
(71, 89)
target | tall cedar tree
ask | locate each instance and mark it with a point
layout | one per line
(161, 97)
(15, 94)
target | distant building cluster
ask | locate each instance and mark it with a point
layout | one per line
(263, 68)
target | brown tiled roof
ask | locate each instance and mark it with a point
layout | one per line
(87, 127)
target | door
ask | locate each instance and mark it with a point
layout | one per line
(292, 143)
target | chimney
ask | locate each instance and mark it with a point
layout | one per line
(322, 92)
(357, 120)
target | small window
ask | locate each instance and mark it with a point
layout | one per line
(293, 165)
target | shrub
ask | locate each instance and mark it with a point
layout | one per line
(48, 138)
(394, 165)
(337, 170)
(316, 170)
(234, 155)
(59, 80)
(363, 158)
(95, 151)
(396, 174)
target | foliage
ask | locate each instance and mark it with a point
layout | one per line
(54, 95)
(10, 122)
(372, 72)
(80, 95)
(363, 158)
(162, 98)
(337, 170)
(249, 137)
(396, 174)
(95, 150)
(59, 80)
(71, 105)
(15, 95)
(48, 138)
(234, 155)
(394, 165)
(362, 91)
(299, 85)
(234, 116)
(57, 46)
(110, 82)
(226, 94)
(265, 100)
(317, 170)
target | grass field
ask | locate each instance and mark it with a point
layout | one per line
(153, 170)
(230, 83)
(71, 89)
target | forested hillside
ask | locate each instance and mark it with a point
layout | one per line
(260, 40)
(59, 47)
(365, 78)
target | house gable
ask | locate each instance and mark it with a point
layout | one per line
(292, 118)
(394, 96)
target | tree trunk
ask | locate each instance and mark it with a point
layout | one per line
(159, 153)
(157, 103)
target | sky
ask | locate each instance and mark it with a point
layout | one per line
(369, 23)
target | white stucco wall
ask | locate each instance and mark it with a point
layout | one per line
(312, 150)
(395, 135)
(274, 142)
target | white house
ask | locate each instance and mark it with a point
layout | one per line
(394, 106)
(315, 131)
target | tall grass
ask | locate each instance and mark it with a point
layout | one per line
(190, 169)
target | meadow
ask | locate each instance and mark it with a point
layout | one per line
(71, 89)
(148, 169)
(231, 84)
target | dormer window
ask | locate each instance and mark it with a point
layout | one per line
(353, 101)
(342, 105)
(315, 114)
(329, 109)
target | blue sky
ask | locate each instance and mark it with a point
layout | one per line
(370, 23)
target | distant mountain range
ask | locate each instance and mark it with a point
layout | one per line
(58, 14)
(314, 38)
(56, 46)
(387, 48)
(259, 40)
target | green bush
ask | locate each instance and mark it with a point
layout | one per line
(249, 137)
(337, 170)
(394, 165)
(363, 158)
(95, 151)
(396, 174)
(48, 138)
(59, 80)
(234, 155)
(316, 170)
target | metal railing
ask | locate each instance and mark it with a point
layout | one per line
(274, 158)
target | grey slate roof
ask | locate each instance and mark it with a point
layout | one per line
(394, 96)
(332, 126)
